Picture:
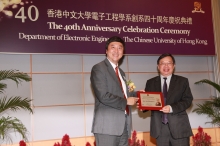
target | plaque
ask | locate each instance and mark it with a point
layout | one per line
(150, 100)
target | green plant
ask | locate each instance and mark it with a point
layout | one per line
(210, 108)
(12, 124)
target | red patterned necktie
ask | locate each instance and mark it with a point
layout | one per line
(116, 71)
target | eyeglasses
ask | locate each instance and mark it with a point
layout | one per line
(168, 64)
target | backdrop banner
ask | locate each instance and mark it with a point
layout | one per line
(180, 27)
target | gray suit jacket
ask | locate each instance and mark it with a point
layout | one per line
(109, 111)
(179, 98)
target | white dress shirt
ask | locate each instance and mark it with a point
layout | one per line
(168, 84)
(122, 80)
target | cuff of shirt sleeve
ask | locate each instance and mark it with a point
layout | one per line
(171, 110)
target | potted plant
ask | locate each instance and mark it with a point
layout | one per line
(210, 108)
(16, 103)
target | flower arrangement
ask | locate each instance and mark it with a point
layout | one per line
(65, 141)
(88, 144)
(134, 141)
(201, 138)
(22, 143)
(131, 86)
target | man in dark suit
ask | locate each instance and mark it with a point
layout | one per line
(170, 126)
(112, 114)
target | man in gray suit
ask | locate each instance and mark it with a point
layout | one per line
(170, 126)
(112, 114)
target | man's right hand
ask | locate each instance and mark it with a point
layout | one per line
(132, 100)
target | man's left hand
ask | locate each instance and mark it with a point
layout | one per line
(166, 109)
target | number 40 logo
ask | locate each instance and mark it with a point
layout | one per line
(21, 15)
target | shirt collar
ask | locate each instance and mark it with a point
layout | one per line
(113, 65)
(168, 77)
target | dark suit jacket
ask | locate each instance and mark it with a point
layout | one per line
(110, 104)
(179, 98)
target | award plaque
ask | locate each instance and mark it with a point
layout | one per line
(150, 100)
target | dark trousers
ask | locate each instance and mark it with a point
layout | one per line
(166, 139)
(112, 140)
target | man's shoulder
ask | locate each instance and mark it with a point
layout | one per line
(179, 77)
(154, 79)
(100, 64)
(157, 78)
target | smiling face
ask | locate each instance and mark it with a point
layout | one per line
(115, 52)
(166, 66)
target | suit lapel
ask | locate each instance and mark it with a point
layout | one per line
(124, 79)
(158, 84)
(122, 74)
(171, 86)
(112, 71)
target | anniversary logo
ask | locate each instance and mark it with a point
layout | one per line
(197, 8)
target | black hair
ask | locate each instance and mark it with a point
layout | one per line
(165, 55)
(114, 39)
